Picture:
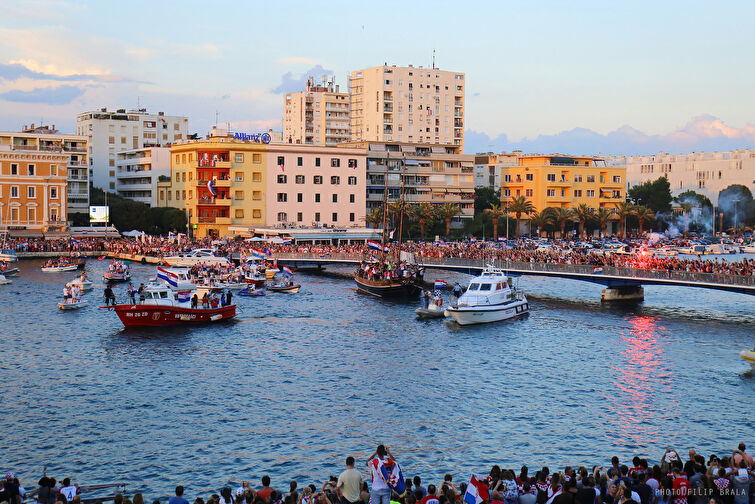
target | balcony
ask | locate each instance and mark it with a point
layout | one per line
(388, 107)
(216, 183)
(69, 148)
(219, 201)
(221, 221)
(214, 164)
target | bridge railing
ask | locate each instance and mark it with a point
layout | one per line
(579, 269)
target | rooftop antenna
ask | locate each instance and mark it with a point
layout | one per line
(434, 59)
(216, 117)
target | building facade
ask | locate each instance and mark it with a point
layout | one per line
(48, 139)
(228, 186)
(564, 181)
(407, 104)
(33, 185)
(706, 173)
(317, 116)
(138, 172)
(434, 174)
(111, 132)
(487, 168)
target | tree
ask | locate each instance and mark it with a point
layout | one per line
(375, 217)
(446, 212)
(655, 195)
(518, 206)
(695, 199)
(643, 214)
(603, 215)
(539, 220)
(495, 212)
(583, 214)
(562, 215)
(126, 214)
(624, 210)
(484, 198)
(737, 205)
(423, 212)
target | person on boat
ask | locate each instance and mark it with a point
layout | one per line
(194, 301)
(75, 294)
(228, 297)
(109, 295)
(457, 291)
(66, 294)
(205, 301)
(426, 299)
(222, 299)
(215, 301)
(142, 294)
(131, 292)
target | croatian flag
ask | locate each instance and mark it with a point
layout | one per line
(441, 242)
(440, 284)
(597, 271)
(257, 254)
(286, 241)
(474, 494)
(184, 296)
(168, 276)
(501, 239)
(267, 251)
(376, 246)
(286, 269)
(211, 187)
(391, 473)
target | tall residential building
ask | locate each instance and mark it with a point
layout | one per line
(112, 132)
(257, 185)
(487, 168)
(33, 184)
(139, 170)
(407, 104)
(317, 116)
(563, 181)
(435, 174)
(706, 173)
(48, 139)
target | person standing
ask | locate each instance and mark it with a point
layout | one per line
(109, 296)
(457, 291)
(381, 492)
(142, 294)
(349, 483)
(179, 497)
(131, 293)
(228, 298)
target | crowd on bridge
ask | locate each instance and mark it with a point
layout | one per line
(562, 253)
(727, 479)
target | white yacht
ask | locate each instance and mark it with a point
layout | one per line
(197, 256)
(489, 298)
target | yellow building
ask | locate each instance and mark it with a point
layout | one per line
(563, 181)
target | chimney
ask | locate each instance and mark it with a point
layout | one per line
(337, 87)
(53, 128)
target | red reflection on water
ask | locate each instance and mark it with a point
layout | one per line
(642, 395)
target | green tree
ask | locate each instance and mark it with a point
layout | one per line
(423, 212)
(495, 212)
(562, 215)
(603, 215)
(374, 217)
(539, 220)
(446, 212)
(484, 198)
(583, 214)
(643, 214)
(656, 195)
(518, 206)
(696, 199)
(624, 210)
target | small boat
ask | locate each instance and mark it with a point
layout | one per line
(286, 289)
(8, 255)
(4, 281)
(74, 305)
(10, 271)
(489, 298)
(62, 264)
(749, 356)
(432, 311)
(117, 272)
(251, 291)
(59, 269)
(82, 282)
(749, 249)
(232, 286)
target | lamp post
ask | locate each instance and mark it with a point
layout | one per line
(735, 214)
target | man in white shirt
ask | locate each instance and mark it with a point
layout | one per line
(381, 492)
(349, 485)
(68, 489)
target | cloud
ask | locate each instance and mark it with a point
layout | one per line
(702, 133)
(59, 95)
(291, 84)
(26, 69)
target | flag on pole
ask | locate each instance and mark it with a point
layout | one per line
(168, 276)
(475, 494)
(440, 284)
(376, 246)
(286, 269)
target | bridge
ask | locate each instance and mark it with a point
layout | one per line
(620, 283)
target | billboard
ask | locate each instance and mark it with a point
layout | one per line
(99, 214)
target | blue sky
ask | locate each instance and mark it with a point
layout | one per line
(540, 74)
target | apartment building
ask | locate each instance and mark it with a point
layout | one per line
(33, 184)
(228, 186)
(139, 170)
(317, 116)
(564, 181)
(706, 173)
(111, 132)
(49, 139)
(407, 104)
(435, 174)
(487, 167)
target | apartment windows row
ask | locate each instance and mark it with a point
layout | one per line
(316, 179)
(334, 162)
(552, 177)
(31, 192)
(283, 198)
(283, 217)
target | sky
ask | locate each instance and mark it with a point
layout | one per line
(578, 77)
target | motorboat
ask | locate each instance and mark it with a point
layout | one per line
(62, 264)
(73, 305)
(195, 257)
(406, 285)
(3, 280)
(490, 297)
(231, 285)
(695, 249)
(177, 278)
(432, 311)
(8, 271)
(749, 249)
(8, 255)
(59, 269)
(251, 291)
(163, 306)
(749, 356)
(271, 272)
(117, 272)
(82, 282)
(284, 287)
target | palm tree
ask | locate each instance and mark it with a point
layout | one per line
(375, 217)
(446, 212)
(423, 212)
(603, 215)
(539, 220)
(495, 212)
(394, 211)
(562, 215)
(519, 205)
(643, 213)
(583, 214)
(624, 210)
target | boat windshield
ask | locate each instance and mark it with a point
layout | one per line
(485, 287)
(474, 286)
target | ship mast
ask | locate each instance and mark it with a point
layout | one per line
(401, 213)
(385, 207)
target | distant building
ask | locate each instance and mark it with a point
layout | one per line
(487, 168)
(408, 105)
(317, 116)
(434, 174)
(706, 173)
(139, 170)
(111, 132)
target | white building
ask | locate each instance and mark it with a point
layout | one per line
(139, 170)
(112, 132)
(487, 168)
(706, 173)
(317, 116)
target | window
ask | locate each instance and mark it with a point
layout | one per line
(300, 179)
(317, 197)
(352, 163)
(178, 158)
(591, 178)
(335, 162)
(53, 193)
(317, 161)
(317, 216)
(299, 217)
(111, 162)
(335, 217)
(256, 176)
(170, 194)
(256, 195)
(617, 178)
(577, 193)
(239, 195)
(112, 185)
(112, 173)
(239, 157)
(590, 193)
(299, 161)
(239, 213)
(183, 195)
(352, 198)
(550, 193)
(299, 197)
(256, 158)
(178, 195)
(318, 179)
(528, 193)
(281, 161)
(14, 169)
(551, 177)
(335, 180)
(31, 169)
(123, 140)
(183, 177)
(352, 217)
(256, 213)
(507, 178)
(239, 176)
(282, 217)
(111, 140)
(352, 180)
(335, 198)
(530, 177)
(282, 179)
(190, 193)
(577, 178)
(282, 197)
(507, 192)
(31, 192)
(14, 191)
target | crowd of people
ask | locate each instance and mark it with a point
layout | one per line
(728, 479)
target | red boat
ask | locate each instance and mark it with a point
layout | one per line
(162, 307)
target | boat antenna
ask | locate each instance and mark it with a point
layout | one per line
(385, 206)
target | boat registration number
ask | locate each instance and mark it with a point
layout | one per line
(137, 314)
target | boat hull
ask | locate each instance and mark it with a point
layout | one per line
(160, 315)
(430, 312)
(468, 315)
(293, 289)
(382, 289)
(116, 278)
(60, 269)
(72, 306)
(11, 272)
(749, 357)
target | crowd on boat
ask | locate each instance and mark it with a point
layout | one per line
(727, 479)
(377, 270)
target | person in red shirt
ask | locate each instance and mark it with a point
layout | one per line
(681, 487)
(265, 492)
